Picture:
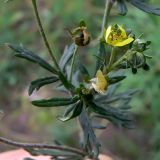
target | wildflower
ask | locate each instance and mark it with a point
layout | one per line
(116, 36)
(99, 83)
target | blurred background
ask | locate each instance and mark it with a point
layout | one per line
(23, 122)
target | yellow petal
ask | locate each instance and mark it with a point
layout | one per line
(101, 81)
(108, 31)
(123, 32)
(124, 42)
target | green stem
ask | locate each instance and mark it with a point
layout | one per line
(43, 34)
(73, 62)
(108, 7)
(114, 65)
(112, 58)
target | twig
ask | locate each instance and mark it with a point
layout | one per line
(108, 7)
(41, 146)
(43, 34)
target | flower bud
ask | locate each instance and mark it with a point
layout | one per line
(140, 45)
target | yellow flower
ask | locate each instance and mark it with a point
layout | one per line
(99, 83)
(116, 36)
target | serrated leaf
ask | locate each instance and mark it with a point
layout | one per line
(55, 102)
(37, 84)
(67, 55)
(90, 141)
(145, 7)
(29, 55)
(76, 111)
(122, 8)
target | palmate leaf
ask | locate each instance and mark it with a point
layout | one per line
(125, 97)
(29, 55)
(37, 84)
(91, 143)
(145, 7)
(55, 102)
(120, 118)
(72, 112)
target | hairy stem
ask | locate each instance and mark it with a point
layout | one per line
(108, 7)
(73, 62)
(42, 146)
(43, 34)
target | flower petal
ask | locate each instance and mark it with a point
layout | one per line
(124, 42)
(108, 31)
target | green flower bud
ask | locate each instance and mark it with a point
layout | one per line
(140, 45)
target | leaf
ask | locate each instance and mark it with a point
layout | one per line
(76, 111)
(145, 7)
(28, 158)
(82, 23)
(67, 55)
(125, 96)
(90, 141)
(122, 8)
(83, 70)
(102, 55)
(115, 79)
(29, 55)
(56, 154)
(118, 117)
(37, 84)
(54, 102)
(65, 82)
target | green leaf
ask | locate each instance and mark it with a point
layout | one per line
(101, 61)
(90, 141)
(76, 111)
(118, 117)
(122, 8)
(54, 102)
(48, 152)
(145, 7)
(28, 158)
(65, 82)
(115, 79)
(82, 23)
(37, 84)
(67, 55)
(26, 54)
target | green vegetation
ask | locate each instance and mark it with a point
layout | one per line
(17, 24)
